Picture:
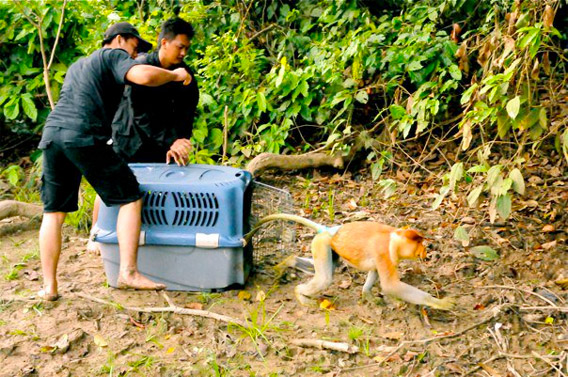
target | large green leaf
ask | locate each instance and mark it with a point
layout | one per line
(504, 206)
(518, 181)
(485, 253)
(12, 109)
(29, 106)
(513, 107)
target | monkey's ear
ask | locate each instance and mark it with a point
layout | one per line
(411, 234)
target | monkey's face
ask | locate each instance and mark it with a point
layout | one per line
(411, 246)
(420, 251)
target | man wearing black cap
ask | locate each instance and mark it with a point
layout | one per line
(74, 144)
(154, 124)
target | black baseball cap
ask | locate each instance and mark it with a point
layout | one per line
(127, 28)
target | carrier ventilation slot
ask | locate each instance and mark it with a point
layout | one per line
(154, 209)
(195, 209)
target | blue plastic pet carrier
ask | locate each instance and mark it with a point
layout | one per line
(193, 221)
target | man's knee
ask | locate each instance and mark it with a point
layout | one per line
(55, 217)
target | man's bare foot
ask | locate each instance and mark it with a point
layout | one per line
(48, 296)
(136, 280)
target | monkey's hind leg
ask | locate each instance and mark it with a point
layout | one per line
(372, 277)
(323, 265)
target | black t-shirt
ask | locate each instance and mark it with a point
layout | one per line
(89, 99)
(150, 119)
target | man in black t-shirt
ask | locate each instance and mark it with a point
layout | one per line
(154, 124)
(74, 144)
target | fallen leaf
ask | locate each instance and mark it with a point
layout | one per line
(260, 296)
(395, 335)
(410, 355)
(171, 350)
(62, 343)
(352, 204)
(563, 283)
(326, 304)
(344, 284)
(136, 323)
(548, 245)
(479, 307)
(47, 349)
(548, 228)
(31, 275)
(485, 253)
(455, 368)
(100, 341)
(535, 179)
(244, 295)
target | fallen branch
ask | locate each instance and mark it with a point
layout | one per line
(170, 309)
(324, 344)
(519, 289)
(563, 309)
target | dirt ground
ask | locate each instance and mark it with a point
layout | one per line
(511, 317)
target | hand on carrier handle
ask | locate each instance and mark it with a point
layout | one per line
(179, 151)
(182, 75)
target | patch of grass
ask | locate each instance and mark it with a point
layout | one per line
(143, 361)
(31, 256)
(257, 326)
(108, 367)
(218, 370)
(12, 274)
(210, 299)
(156, 331)
(360, 336)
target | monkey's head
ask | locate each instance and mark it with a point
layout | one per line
(410, 246)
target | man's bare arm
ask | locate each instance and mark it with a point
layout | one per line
(148, 75)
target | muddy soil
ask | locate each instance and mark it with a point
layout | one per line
(511, 317)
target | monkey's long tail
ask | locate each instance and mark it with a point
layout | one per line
(283, 216)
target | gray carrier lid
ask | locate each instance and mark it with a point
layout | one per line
(194, 205)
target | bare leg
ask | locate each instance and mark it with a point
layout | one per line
(323, 266)
(96, 207)
(92, 245)
(49, 250)
(128, 232)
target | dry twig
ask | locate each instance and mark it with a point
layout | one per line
(324, 344)
(171, 309)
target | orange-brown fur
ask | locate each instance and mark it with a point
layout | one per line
(367, 246)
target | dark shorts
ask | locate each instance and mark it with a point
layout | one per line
(63, 167)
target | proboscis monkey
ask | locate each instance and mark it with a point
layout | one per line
(367, 246)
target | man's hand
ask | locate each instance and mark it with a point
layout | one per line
(182, 75)
(179, 151)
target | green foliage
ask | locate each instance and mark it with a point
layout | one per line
(275, 75)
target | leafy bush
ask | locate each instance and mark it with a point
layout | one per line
(336, 75)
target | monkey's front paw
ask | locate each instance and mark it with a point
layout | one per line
(305, 300)
(367, 296)
(447, 303)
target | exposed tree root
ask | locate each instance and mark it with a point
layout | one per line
(265, 161)
(13, 208)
